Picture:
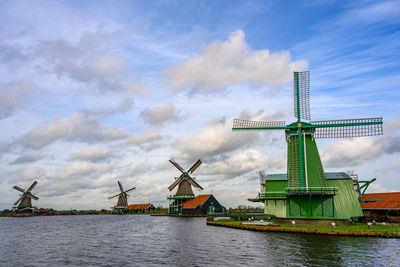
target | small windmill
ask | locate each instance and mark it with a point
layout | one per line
(305, 174)
(122, 198)
(184, 183)
(25, 199)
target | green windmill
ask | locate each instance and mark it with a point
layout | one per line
(306, 191)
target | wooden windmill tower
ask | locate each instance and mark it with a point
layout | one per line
(24, 202)
(122, 198)
(306, 191)
(184, 192)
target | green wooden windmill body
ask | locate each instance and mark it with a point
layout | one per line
(306, 191)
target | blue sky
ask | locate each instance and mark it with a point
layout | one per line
(95, 91)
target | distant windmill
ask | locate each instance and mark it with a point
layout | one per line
(184, 192)
(184, 181)
(25, 198)
(122, 197)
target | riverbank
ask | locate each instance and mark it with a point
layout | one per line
(77, 213)
(358, 229)
(178, 215)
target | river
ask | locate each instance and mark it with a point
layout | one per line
(142, 240)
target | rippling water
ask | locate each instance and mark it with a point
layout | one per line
(141, 240)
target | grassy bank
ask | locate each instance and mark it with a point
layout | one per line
(357, 229)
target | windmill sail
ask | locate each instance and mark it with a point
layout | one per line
(246, 125)
(120, 186)
(32, 196)
(32, 186)
(133, 188)
(177, 165)
(195, 166)
(113, 196)
(174, 184)
(193, 182)
(19, 188)
(348, 128)
(301, 90)
(19, 199)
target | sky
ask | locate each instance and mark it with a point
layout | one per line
(92, 92)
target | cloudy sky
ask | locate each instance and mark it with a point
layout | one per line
(92, 92)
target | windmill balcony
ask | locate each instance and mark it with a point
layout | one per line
(310, 191)
(296, 191)
(271, 195)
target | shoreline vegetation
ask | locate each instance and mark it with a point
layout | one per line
(161, 211)
(9, 213)
(354, 229)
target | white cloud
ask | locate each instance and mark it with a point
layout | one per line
(93, 154)
(28, 158)
(27, 175)
(223, 64)
(162, 115)
(355, 151)
(261, 115)
(350, 152)
(135, 88)
(148, 142)
(386, 169)
(4, 147)
(377, 188)
(142, 139)
(241, 163)
(86, 61)
(138, 169)
(74, 178)
(12, 54)
(383, 11)
(125, 105)
(106, 65)
(77, 127)
(393, 125)
(215, 139)
(13, 96)
(79, 170)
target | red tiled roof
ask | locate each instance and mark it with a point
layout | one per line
(138, 206)
(199, 200)
(389, 201)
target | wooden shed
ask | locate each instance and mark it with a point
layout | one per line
(203, 205)
(140, 208)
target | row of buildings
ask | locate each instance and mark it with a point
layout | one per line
(183, 202)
